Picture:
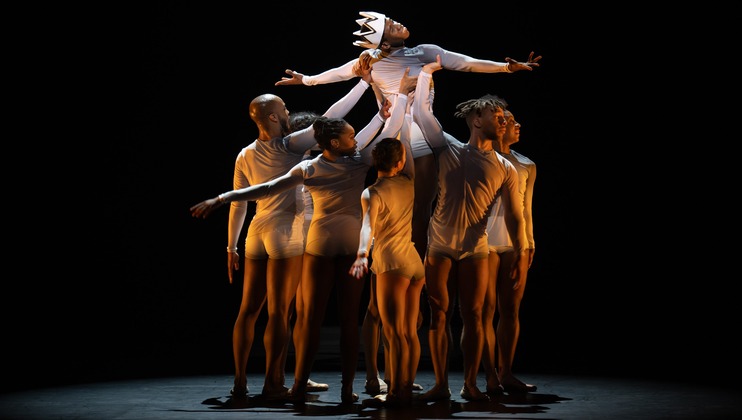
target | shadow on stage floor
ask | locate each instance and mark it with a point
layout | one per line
(207, 397)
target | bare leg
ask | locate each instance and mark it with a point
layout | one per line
(289, 321)
(384, 384)
(437, 270)
(349, 290)
(508, 327)
(473, 276)
(243, 333)
(489, 358)
(282, 280)
(311, 385)
(426, 190)
(392, 291)
(411, 318)
(316, 286)
(371, 333)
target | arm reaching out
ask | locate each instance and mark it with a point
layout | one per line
(365, 136)
(295, 79)
(302, 140)
(422, 109)
(338, 74)
(289, 180)
(394, 113)
(404, 137)
(528, 65)
(452, 60)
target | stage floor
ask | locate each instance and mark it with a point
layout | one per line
(207, 397)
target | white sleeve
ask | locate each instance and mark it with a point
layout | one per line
(364, 136)
(303, 140)
(392, 127)
(451, 60)
(404, 137)
(394, 123)
(342, 107)
(422, 111)
(337, 74)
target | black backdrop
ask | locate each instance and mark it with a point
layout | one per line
(114, 279)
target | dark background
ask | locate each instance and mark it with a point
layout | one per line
(109, 276)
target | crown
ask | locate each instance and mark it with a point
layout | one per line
(372, 29)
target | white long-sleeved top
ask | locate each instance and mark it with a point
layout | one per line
(264, 160)
(497, 232)
(335, 188)
(469, 181)
(387, 73)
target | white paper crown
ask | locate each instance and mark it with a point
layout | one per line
(372, 29)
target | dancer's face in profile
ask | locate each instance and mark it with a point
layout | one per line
(395, 33)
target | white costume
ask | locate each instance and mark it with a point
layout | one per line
(497, 233)
(393, 247)
(276, 229)
(469, 180)
(387, 72)
(336, 190)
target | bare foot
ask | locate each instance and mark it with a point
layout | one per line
(473, 394)
(437, 393)
(513, 385)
